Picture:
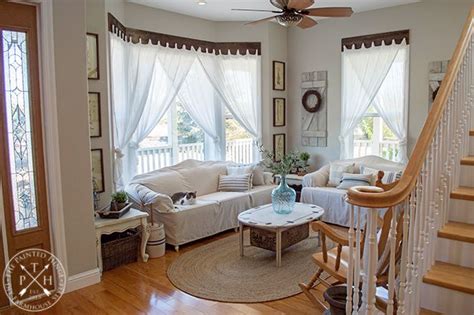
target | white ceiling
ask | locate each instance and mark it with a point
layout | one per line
(220, 10)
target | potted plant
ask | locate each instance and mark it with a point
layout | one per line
(283, 196)
(119, 201)
(304, 157)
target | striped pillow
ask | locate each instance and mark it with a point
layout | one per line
(350, 180)
(388, 176)
(235, 182)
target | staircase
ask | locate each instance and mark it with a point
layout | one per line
(433, 207)
(448, 286)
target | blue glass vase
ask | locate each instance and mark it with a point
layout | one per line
(283, 197)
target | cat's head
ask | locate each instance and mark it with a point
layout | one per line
(191, 195)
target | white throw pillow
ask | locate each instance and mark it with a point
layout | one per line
(388, 177)
(256, 170)
(235, 182)
(350, 180)
(336, 169)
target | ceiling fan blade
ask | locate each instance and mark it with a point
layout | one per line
(262, 20)
(300, 4)
(280, 4)
(307, 22)
(331, 12)
(252, 10)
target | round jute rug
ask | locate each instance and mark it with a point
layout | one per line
(217, 272)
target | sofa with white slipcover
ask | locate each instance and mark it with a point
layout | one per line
(319, 190)
(213, 212)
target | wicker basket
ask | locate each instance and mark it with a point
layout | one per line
(119, 249)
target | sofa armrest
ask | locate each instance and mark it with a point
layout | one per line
(319, 178)
(143, 197)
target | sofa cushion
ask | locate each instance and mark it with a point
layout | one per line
(351, 180)
(261, 195)
(229, 201)
(235, 182)
(336, 169)
(332, 200)
(191, 222)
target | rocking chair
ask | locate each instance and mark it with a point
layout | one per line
(335, 261)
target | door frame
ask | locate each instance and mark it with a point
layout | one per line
(50, 131)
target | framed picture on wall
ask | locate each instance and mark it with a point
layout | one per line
(95, 125)
(279, 146)
(98, 170)
(279, 112)
(278, 75)
(92, 56)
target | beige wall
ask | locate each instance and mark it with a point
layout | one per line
(71, 86)
(434, 31)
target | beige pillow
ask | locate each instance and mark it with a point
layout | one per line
(255, 169)
(337, 169)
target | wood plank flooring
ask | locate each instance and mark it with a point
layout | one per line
(143, 288)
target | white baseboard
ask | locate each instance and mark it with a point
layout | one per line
(83, 279)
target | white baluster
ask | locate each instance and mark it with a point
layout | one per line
(350, 268)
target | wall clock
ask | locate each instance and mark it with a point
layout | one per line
(311, 101)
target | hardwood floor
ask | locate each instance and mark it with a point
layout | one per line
(143, 288)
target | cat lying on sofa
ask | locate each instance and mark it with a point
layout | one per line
(184, 198)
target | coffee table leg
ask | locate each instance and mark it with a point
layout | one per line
(241, 239)
(278, 247)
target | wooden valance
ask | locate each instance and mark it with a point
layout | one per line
(375, 39)
(135, 36)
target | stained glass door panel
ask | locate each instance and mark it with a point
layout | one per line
(22, 165)
(18, 116)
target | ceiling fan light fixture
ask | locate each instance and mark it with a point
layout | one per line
(201, 2)
(290, 19)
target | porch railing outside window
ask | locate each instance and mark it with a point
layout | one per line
(149, 159)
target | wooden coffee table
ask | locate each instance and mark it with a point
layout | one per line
(273, 231)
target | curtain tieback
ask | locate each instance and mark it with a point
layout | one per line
(341, 139)
(118, 153)
(217, 139)
(403, 142)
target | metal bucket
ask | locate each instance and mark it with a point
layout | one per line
(155, 246)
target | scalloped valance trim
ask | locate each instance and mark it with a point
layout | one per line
(136, 36)
(375, 40)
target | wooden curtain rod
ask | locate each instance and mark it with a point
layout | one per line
(135, 35)
(375, 39)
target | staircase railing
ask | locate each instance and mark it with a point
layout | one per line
(421, 197)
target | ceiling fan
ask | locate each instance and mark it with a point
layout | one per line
(298, 12)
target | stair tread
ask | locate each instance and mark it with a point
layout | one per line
(424, 311)
(468, 160)
(451, 276)
(463, 192)
(471, 133)
(458, 231)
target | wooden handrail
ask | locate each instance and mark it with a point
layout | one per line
(405, 186)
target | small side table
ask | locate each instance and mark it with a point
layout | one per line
(295, 182)
(134, 218)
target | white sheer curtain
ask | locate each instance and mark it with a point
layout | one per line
(237, 80)
(391, 101)
(131, 77)
(363, 72)
(145, 80)
(200, 100)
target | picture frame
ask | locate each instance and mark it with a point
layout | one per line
(279, 76)
(98, 169)
(279, 146)
(279, 112)
(95, 121)
(93, 56)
